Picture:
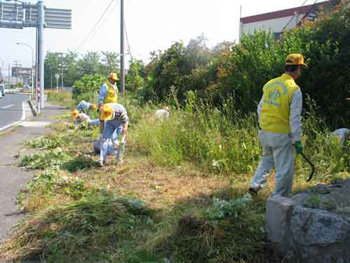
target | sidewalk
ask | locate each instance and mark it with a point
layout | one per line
(12, 177)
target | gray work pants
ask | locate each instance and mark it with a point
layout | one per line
(278, 152)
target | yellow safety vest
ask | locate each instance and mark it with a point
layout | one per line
(277, 97)
(112, 94)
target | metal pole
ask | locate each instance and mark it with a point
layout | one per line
(41, 21)
(9, 74)
(62, 73)
(32, 73)
(32, 66)
(37, 69)
(240, 25)
(122, 57)
(16, 66)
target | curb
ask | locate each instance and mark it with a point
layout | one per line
(33, 108)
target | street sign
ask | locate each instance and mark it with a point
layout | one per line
(57, 76)
(11, 15)
(58, 18)
(14, 15)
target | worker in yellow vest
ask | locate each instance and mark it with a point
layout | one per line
(108, 94)
(279, 113)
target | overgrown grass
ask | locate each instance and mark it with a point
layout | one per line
(226, 142)
(63, 98)
(178, 197)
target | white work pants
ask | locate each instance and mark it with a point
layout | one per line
(278, 152)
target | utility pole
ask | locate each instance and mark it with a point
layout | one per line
(51, 78)
(62, 73)
(41, 21)
(16, 66)
(32, 67)
(9, 74)
(37, 69)
(122, 53)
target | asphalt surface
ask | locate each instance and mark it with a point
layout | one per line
(12, 177)
(11, 108)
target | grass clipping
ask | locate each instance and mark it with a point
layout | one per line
(79, 229)
(228, 231)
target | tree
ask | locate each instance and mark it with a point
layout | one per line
(135, 76)
(90, 64)
(111, 62)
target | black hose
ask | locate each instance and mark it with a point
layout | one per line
(312, 167)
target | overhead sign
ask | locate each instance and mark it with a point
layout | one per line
(58, 18)
(15, 15)
(11, 15)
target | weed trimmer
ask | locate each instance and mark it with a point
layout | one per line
(312, 167)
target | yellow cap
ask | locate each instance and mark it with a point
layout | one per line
(75, 113)
(295, 59)
(93, 106)
(106, 113)
(113, 76)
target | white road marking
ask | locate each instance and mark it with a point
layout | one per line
(8, 106)
(16, 122)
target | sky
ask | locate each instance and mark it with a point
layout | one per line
(150, 25)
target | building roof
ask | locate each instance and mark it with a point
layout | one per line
(283, 13)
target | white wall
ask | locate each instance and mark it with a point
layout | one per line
(276, 25)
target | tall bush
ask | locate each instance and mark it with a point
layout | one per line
(89, 84)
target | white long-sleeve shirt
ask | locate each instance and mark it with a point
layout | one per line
(343, 134)
(296, 107)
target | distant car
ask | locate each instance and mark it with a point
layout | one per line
(2, 90)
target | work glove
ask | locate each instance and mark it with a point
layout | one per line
(298, 147)
(120, 152)
(121, 141)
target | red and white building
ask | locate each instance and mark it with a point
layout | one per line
(280, 21)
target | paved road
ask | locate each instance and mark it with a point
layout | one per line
(11, 108)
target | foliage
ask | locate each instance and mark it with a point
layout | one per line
(134, 79)
(235, 236)
(50, 159)
(89, 84)
(82, 228)
(239, 71)
(73, 66)
(49, 142)
(213, 126)
(61, 98)
(210, 138)
(173, 68)
(60, 63)
(232, 208)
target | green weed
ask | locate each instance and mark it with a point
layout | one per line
(50, 159)
(48, 142)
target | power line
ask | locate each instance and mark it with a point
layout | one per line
(290, 20)
(105, 18)
(96, 25)
(127, 40)
(312, 6)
